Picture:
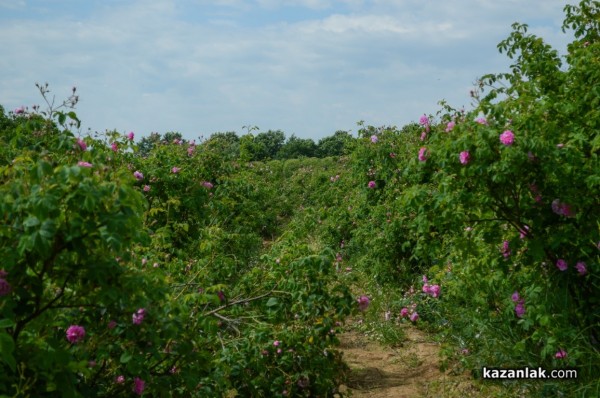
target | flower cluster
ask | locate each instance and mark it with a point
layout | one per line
(411, 314)
(562, 209)
(519, 304)
(432, 290)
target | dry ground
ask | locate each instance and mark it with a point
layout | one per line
(407, 371)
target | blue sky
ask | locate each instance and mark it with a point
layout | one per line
(307, 67)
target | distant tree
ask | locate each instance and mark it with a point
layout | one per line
(248, 148)
(269, 144)
(335, 145)
(227, 144)
(146, 144)
(297, 148)
(172, 136)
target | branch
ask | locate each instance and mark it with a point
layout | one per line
(212, 312)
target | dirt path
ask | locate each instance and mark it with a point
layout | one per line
(407, 371)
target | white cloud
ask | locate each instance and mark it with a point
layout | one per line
(152, 67)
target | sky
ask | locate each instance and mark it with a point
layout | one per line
(306, 67)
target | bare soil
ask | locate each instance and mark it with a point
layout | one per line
(407, 371)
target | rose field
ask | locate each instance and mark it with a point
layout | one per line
(230, 266)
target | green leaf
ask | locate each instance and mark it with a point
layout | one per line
(7, 346)
(31, 221)
(62, 118)
(6, 323)
(273, 301)
(125, 357)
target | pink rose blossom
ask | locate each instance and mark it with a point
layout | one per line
(414, 316)
(523, 232)
(434, 290)
(84, 164)
(372, 184)
(424, 120)
(562, 209)
(19, 110)
(515, 297)
(81, 143)
(423, 136)
(276, 343)
(138, 175)
(581, 268)
(425, 288)
(404, 312)
(482, 120)
(561, 354)
(114, 146)
(190, 150)
(207, 184)
(450, 126)
(506, 249)
(561, 264)
(146, 188)
(130, 136)
(139, 316)
(175, 170)
(363, 303)
(374, 139)
(423, 155)
(520, 309)
(464, 157)
(120, 379)
(5, 287)
(138, 386)
(75, 333)
(507, 138)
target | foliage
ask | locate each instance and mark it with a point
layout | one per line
(126, 274)
(225, 267)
